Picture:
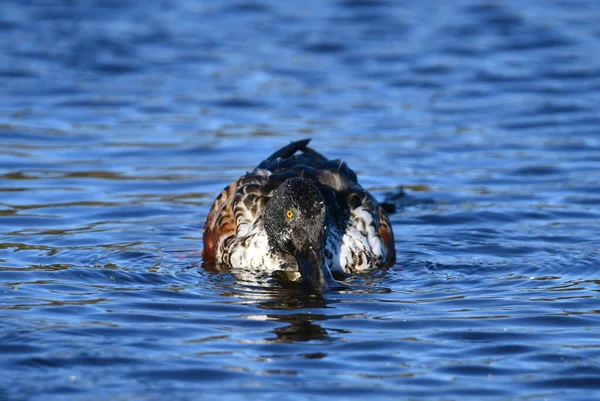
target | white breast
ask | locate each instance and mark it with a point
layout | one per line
(252, 251)
(358, 247)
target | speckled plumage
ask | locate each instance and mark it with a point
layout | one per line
(358, 234)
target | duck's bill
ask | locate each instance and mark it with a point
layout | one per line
(313, 270)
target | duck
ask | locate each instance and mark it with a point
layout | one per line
(298, 211)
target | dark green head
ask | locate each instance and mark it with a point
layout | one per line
(295, 224)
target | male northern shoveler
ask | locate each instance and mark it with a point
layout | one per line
(299, 212)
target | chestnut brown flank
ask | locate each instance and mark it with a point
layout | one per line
(387, 237)
(219, 222)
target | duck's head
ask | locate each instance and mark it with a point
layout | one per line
(295, 224)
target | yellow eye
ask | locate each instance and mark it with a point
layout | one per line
(289, 214)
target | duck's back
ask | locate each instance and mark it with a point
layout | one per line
(359, 234)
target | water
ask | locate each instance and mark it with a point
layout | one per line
(120, 123)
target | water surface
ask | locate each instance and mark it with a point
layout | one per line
(121, 122)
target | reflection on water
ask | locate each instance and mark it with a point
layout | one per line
(301, 327)
(475, 121)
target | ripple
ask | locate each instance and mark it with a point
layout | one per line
(475, 121)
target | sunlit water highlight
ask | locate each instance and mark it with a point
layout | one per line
(120, 123)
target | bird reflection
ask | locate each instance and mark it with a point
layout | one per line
(281, 292)
(277, 293)
(302, 327)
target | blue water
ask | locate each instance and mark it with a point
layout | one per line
(120, 122)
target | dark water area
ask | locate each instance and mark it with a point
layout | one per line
(121, 121)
